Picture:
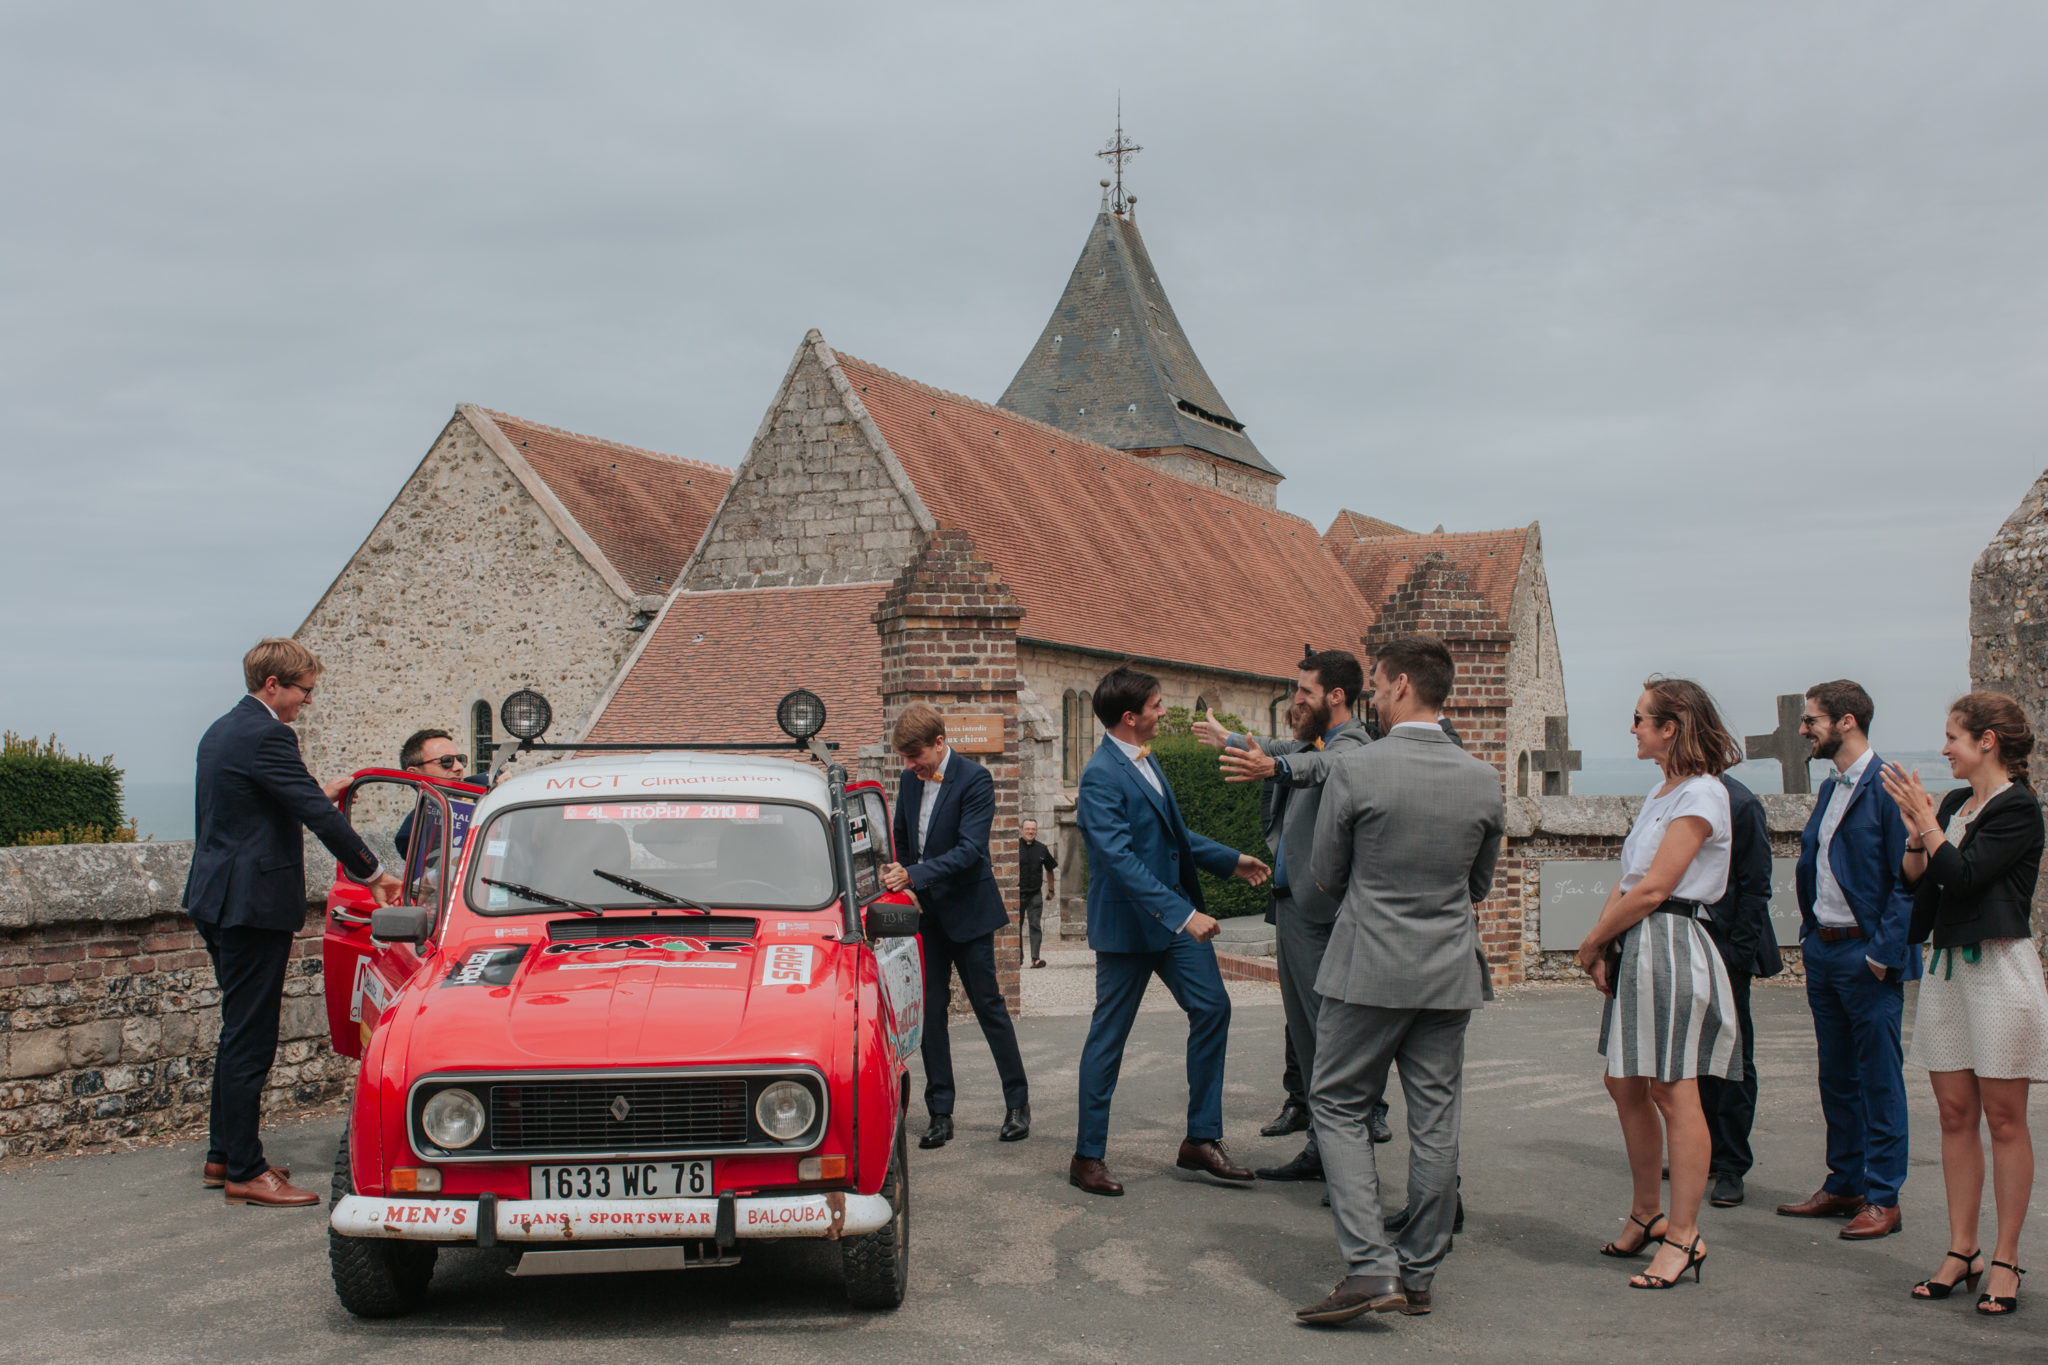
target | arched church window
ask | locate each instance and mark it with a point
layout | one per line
(1273, 712)
(1202, 706)
(1070, 717)
(1522, 775)
(480, 744)
(1086, 738)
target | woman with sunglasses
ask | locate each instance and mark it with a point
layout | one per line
(1670, 1013)
(1981, 1026)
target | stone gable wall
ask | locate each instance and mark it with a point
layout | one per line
(465, 591)
(1535, 673)
(2009, 632)
(814, 501)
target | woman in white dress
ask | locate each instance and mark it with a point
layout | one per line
(1670, 1014)
(1981, 1026)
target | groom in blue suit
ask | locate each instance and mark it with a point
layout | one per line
(1145, 917)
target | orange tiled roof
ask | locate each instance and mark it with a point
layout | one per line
(644, 510)
(1378, 564)
(1106, 551)
(1356, 524)
(756, 644)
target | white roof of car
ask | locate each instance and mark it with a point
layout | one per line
(642, 777)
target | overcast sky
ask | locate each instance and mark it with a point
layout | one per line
(1743, 302)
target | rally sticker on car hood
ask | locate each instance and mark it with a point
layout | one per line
(488, 967)
(786, 964)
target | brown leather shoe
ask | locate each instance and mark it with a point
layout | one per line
(1354, 1296)
(271, 1190)
(214, 1174)
(1821, 1204)
(1873, 1222)
(1418, 1302)
(1210, 1158)
(1088, 1173)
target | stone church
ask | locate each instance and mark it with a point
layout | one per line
(881, 540)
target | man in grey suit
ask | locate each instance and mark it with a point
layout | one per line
(1408, 835)
(1324, 731)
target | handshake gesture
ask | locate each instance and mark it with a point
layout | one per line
(1249, 764)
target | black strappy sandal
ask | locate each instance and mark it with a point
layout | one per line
(1931, 1288)
(1649, 1236)
(2000, 1306)
(1695, 1256)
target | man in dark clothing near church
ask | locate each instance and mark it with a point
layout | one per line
(1740, 926)
(1035, 865)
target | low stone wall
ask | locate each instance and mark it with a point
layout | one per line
(108, 1009)
(1559, 828)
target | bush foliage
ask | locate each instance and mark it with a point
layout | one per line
(1227, 812)
(46, 794)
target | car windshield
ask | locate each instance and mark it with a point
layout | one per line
(765, 855)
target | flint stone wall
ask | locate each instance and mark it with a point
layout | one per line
(108, 1009)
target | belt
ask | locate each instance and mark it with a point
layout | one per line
(1675, 906)
(1830, 934)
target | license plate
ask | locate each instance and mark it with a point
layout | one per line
(629, 1180)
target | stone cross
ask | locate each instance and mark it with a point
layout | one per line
(1786, 745)
(1556, 760)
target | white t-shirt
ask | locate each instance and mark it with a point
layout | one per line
(1706, 878)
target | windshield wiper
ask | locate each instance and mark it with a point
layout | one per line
(543, 897)
(653, 893)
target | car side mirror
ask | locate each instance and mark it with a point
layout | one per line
(401, 923)
(892, 921)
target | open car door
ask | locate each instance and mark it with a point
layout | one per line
(416, 827)
(900, 960)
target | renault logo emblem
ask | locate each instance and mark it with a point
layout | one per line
(619, 1108)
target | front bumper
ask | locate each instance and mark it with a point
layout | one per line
(829, 1215)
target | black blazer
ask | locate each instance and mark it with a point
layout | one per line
(952, 876)
(1983, 887)
(1740, 922)
(253, 793)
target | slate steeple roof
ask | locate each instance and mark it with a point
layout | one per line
(1114, 366)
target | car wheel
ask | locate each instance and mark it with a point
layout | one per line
(878, 1264)
(375, 1277)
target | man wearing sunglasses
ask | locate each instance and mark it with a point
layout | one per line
(430, 753)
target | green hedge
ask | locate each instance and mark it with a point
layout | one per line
(44, 789)
(1227, 812)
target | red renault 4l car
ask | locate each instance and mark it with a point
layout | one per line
(662, 1006)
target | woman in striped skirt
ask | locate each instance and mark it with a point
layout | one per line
(1670, 1015)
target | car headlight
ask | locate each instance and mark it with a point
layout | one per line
(785, 1110)
(452, 1119)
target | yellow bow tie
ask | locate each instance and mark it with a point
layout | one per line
(1144, 752)
(1317, 745)
(936, 777)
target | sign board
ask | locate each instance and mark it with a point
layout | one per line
(1570, 895)
(975, 732)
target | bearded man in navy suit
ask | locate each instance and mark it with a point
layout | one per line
(944, 812)
(1145, 917)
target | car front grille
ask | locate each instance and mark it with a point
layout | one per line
(640, 1114)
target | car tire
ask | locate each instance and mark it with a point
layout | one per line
(877, 1265)
(375, 1277)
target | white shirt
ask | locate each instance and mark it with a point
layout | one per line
(1705, 878)
(1419, 725)
(926, 802)
(1144, 769)
(1830, 906)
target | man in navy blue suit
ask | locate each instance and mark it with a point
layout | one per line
(944, 811)
(1855, 912)
(247, 896)
(1145, 917)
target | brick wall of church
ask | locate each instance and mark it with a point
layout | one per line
(814, 501)
(464, 591)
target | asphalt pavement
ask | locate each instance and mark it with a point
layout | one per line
(127, 1257)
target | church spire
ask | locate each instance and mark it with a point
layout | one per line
(1114, 365)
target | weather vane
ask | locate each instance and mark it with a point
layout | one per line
(1119, 150)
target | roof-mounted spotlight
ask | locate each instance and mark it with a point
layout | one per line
(801, 715)
(526, 714)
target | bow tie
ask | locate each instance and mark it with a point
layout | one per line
(1842, 778)
(1317, 745)
(936, 777)
(1144, 752)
